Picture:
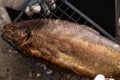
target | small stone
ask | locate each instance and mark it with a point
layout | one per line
(49, 72)
(9, 50)
(35, 8)
(99, 77)
(27, 11)
(38, 75)
(44, 66)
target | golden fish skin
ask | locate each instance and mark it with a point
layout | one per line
(68, 45)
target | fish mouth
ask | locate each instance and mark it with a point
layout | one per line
(16, 39)
(5, 34)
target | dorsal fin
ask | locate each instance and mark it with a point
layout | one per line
(90, 29)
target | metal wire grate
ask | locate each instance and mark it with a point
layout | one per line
(65, 10)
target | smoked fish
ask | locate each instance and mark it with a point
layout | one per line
(68, 45)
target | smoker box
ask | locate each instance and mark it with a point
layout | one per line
(65, 11)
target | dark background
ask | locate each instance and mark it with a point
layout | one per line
(100, 11)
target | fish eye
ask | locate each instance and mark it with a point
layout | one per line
(20, 27)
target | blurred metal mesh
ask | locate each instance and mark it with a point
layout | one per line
(65, 10)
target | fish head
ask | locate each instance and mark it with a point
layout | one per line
(15, 32)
